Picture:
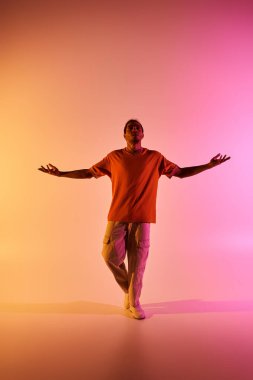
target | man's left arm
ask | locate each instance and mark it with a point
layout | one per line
(193, 170)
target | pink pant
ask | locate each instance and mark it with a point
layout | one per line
(131, 238)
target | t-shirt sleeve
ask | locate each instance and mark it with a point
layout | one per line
(167, 167)
(101, 168)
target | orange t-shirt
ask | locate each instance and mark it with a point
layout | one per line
(134, 179)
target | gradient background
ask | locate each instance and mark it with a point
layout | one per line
(72, 73)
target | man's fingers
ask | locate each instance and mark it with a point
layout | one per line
(221, 159)
(54, 168)
(43, 169)
(218, 159)
(215, 157)
(50, 170)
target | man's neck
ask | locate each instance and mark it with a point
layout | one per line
(134, 148)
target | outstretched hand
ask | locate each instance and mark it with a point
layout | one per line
(218, 159)
(51, 169)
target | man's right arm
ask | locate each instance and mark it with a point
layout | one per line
(51, 169)
(82, 173)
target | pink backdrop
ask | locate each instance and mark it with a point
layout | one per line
(72, 74)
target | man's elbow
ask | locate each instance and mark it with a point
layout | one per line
(89, 174)
(178, 172)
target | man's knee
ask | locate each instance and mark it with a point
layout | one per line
(143, 244)
(113, 253)
(107, 250)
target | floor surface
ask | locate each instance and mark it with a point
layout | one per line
(179, 340)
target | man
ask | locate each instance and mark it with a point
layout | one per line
(134, 172)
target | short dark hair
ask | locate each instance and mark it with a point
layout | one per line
(132, 121)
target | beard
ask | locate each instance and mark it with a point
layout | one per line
(135, 139)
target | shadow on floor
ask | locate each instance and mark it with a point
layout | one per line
(76, 307)
(158, 308)
(198, 306)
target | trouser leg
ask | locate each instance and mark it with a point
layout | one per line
(137, 252)
(114, 252)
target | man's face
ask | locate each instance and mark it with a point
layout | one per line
(134, 133)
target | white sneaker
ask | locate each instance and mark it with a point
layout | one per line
(137, 311)
(126, 301)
